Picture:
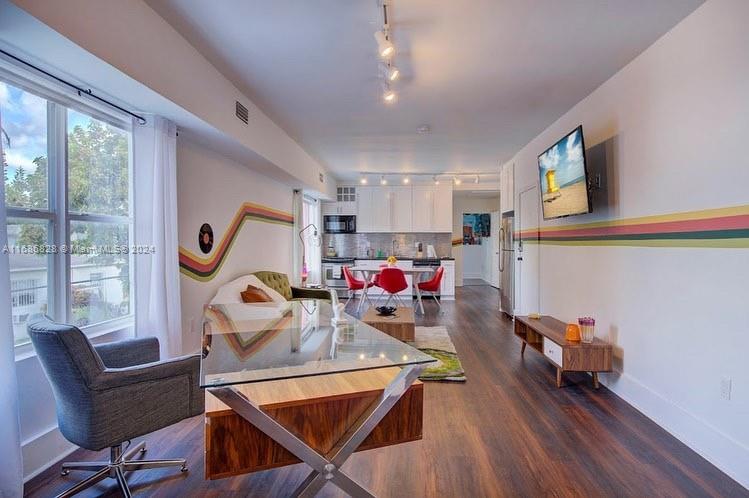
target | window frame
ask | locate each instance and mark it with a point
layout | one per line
(57, 215)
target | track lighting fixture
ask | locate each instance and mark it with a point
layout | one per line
(406, 180)
(363, 180)
(383, 180)
(457, 180)
(477, 180)
(389, 71)
(385, 47)
(388, 94)
(436, 180)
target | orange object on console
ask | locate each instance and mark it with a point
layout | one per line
(572, 333)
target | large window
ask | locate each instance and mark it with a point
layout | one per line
(67, 192)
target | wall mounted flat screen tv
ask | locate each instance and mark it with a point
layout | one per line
(564, 177)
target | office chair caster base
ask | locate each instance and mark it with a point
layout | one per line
(119, 463)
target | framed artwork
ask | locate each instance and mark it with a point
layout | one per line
(476, 226)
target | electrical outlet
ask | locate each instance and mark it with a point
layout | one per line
(725, 388)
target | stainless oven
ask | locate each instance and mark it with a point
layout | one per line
(339, 223)
(332, 274)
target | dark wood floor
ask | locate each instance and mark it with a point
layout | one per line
(506, 432)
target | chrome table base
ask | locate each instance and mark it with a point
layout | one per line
(325, 468)
(115, 468)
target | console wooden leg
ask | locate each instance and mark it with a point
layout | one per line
(596, 385)
(559, 377)
(522, 349)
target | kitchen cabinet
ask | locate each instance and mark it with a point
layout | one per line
(345, 202)
(400, 209)
(443, 209)
(338, 208)
(365, 210)
(422, 208)
(507, 187)
(447, 287)
(417, 209)
(432, 208)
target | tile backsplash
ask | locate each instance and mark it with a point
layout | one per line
(355, 245)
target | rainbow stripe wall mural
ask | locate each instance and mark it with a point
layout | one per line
(719, 228)
(204, 269)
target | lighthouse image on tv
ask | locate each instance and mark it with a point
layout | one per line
(563, 175)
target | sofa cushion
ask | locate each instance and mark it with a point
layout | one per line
(230, 292)
(255, 295)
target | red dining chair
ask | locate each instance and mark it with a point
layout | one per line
(433, 285)
(354, 284)
(392, 281)
(376, 280)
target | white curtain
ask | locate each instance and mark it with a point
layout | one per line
(312, 250)
(157, 296)
(11, 468)
(297, 208)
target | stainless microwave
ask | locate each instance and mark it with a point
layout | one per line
(339, 223)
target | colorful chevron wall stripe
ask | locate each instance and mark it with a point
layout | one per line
(205, 269)
(721, 228)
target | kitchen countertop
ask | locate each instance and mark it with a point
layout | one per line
(384, 258)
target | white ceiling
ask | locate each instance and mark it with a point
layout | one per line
(486, 75)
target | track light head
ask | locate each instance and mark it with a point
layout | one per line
(388, 94)
(477, 180)
(383, 180)
(385, 47)
(457, 180)
(436, 180)
(406, 180)
(363, 180)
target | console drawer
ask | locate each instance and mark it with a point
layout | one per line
(553, 351)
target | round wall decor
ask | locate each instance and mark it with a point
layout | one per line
(205, 238)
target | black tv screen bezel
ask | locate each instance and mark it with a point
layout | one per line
(585, 168)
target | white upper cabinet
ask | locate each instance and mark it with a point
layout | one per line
(421, 208)
(345, 202)
(400, 209)
(443, 209)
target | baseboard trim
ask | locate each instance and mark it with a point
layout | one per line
(729, 455)
(37, 450)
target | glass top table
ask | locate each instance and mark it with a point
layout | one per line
(244, 343)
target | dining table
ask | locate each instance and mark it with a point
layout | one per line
(368, 273)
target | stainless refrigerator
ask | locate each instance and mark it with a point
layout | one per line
(506, 265)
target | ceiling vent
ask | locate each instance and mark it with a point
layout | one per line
(242, 113)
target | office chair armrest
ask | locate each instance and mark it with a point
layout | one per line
(112, 378)
(303, 293)
(129, 352)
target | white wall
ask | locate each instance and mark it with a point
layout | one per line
(675, 122)
(472, 257)
(211, 189)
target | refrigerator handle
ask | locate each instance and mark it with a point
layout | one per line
(501, 238)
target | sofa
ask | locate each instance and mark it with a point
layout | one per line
(279, 282)
(275, 284)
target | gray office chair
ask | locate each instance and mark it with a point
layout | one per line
(107, 395)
